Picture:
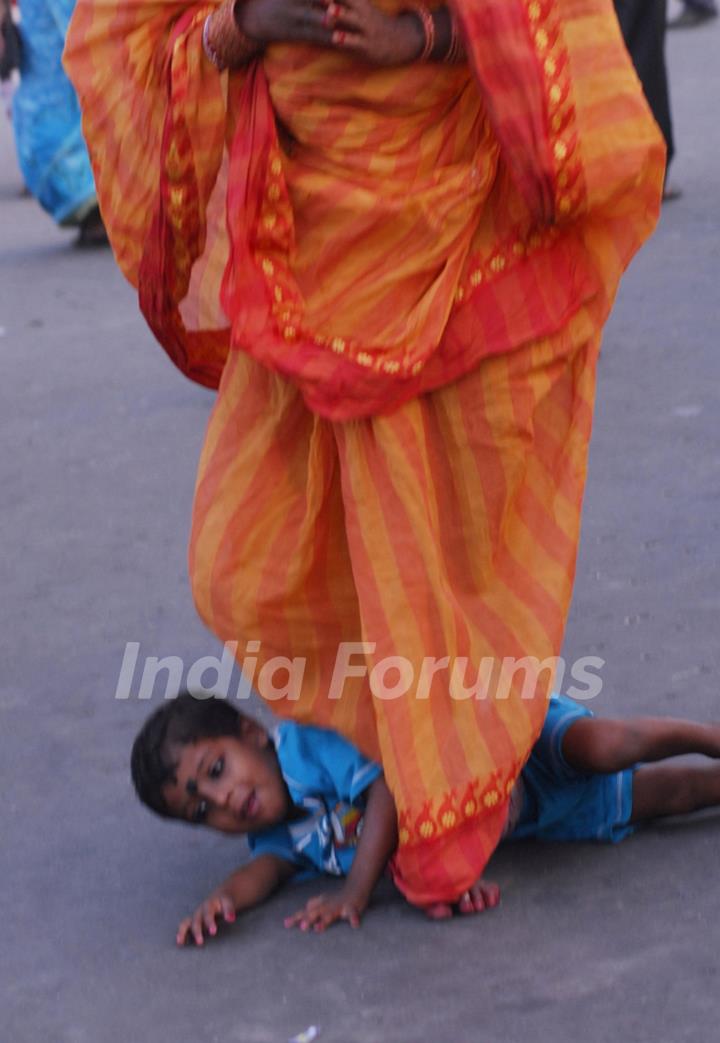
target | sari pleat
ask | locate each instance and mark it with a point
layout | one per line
(410, 223)
(415, 533)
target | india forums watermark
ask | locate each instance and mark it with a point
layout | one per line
(235, 674)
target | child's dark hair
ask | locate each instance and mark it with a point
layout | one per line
(178, 722)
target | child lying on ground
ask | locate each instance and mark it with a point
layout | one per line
(309, 801)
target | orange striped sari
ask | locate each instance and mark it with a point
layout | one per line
(400, 295)
(444, 530)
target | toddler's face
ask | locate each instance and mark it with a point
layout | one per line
(230, 783)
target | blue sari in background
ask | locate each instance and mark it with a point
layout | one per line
(46, 117)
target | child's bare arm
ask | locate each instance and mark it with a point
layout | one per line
(242, 890)
(377, 842)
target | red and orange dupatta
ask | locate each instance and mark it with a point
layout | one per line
(206, 210)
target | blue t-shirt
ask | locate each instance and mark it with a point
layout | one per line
(328, 778)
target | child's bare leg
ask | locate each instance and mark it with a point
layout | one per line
(605, 745)
(674, 789)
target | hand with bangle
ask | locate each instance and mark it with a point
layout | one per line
(224, 43)
(238, 31)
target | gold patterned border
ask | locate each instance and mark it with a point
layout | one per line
(287, 309)
(547, 35)
(274, 236)
(178, 186)
(452, 810)
(483, 269)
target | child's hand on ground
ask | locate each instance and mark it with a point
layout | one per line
(204, 917)
(323, 910)
(481, 896)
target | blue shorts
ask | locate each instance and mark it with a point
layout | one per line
(560, 803)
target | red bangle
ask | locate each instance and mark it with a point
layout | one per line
(428, 27)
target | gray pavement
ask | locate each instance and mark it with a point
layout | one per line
(100, 439)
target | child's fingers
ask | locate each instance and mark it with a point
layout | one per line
(228, 908)
(197, 927)
(325, 917)
(304, 917)
(296, 919)
(312, 918)
(319, 913)
(210, 911)
(182, 931)
(351, 914)
(317, 916)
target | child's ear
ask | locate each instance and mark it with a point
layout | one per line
(254, 733)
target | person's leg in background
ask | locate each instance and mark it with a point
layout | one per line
(692, 13)
(643, 24)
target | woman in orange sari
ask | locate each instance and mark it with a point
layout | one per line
(390, 239)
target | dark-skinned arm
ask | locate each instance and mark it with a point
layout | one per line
(377, 842)
(243, 889)
(238, 31)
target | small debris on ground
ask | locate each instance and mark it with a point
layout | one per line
(307, 1036)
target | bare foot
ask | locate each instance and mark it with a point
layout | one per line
(481, 896)
(439, 911)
